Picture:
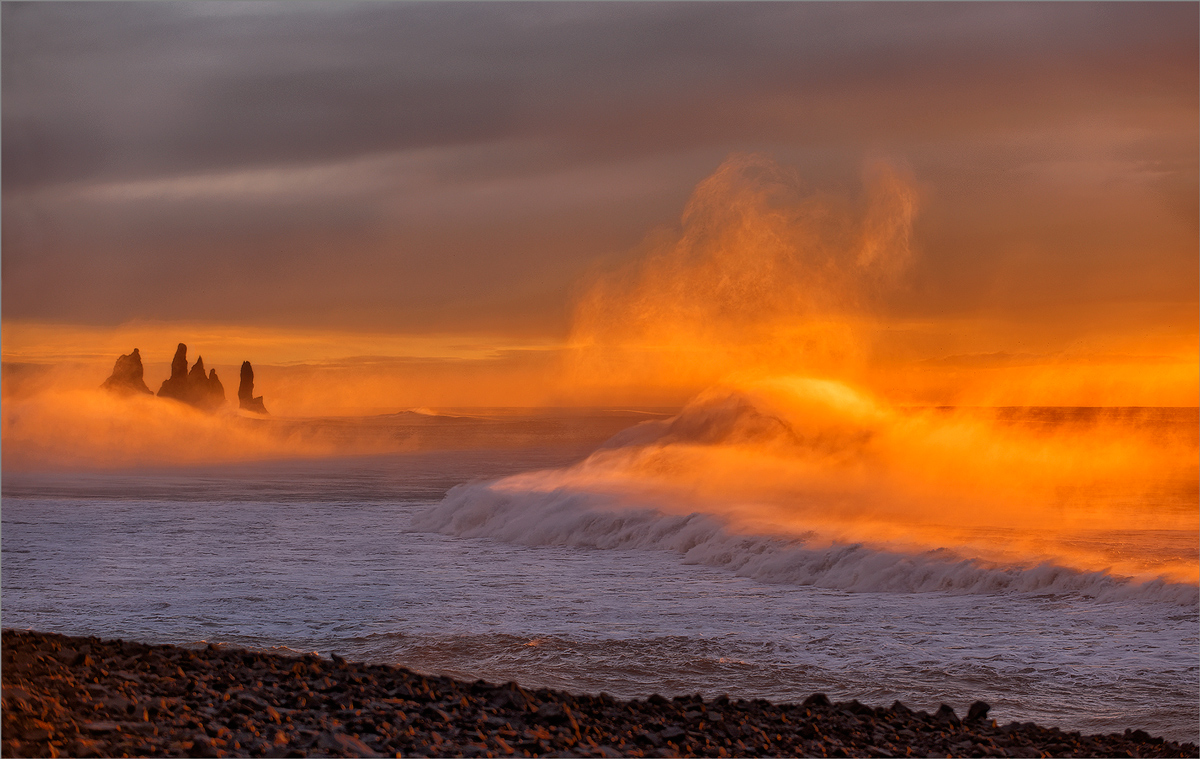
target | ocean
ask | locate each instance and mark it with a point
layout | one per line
(724, 549)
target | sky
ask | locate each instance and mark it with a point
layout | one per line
(422, 199)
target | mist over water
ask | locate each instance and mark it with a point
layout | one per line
(70, 428)
(336, 554)
(790, 470)
(793, 528)
(765, 295)
(808, 483)
(764, 276)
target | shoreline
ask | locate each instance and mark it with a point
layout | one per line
(83, 696)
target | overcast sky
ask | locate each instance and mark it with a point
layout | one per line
(415, 167)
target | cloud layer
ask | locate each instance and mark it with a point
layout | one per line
(456, 167)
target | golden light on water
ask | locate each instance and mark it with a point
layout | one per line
(819, 460)
(812, 411)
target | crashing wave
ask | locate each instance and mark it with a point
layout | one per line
(564, 517)
(808, 482)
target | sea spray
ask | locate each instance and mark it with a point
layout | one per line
(579, 519)
(809, 482)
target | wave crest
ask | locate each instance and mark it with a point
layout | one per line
(566, 517)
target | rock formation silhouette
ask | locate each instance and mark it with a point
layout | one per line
(193, 388)
(246, 398)
(126, 377)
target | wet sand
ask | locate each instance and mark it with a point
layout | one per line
(73, 696)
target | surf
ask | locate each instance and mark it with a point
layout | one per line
(811, 482)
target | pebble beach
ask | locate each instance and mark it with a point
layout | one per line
(76, 696)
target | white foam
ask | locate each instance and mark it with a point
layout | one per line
(571, 517)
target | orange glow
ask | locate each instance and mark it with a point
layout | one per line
(818, 460)
(762, 278)
(92, 428)
(228, 344)
(301, 372)
(768, 278)
(764, 282)
(773, 298)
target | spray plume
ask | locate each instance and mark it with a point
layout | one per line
(763, 277)
(788, 470)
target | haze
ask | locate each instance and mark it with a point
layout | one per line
(388, 205)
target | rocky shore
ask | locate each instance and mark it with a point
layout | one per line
(89, 697)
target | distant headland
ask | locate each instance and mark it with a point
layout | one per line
(195, 387)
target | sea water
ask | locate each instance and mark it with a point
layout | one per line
(409, 558)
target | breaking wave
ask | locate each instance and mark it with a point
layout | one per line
(589, 520)
(809, 482)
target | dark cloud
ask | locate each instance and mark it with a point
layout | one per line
(503, 146)
(119, 89)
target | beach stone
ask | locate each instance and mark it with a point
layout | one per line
(433, 713)
(552, 713)
(946, 714)
(346, 744)
(84, 747)
(978, 711)
(235, 693)
(117, 704)
(648, 737)
(861, 709)
(18, 699)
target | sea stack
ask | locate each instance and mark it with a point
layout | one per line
(246, 398)
(175, 386)
(127, 377)
(193, 388)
